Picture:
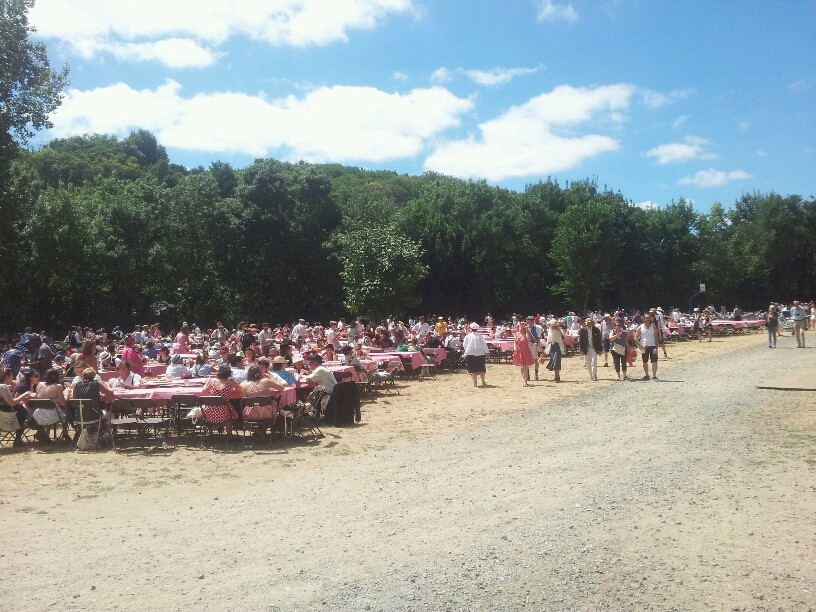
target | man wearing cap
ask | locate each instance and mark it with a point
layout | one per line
(799, 317)
(646, 336)
(475, 352)
(177, 369)
(589, 341)
(535, 337)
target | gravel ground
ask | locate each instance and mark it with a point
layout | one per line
(695, 492)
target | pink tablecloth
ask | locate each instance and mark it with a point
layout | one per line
(502, 345)
(163, 394)
(416, 357)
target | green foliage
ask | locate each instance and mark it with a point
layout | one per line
(381, 269)
(109, 231)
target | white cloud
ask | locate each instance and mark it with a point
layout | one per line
(441, 75)
(761, 153)
(656, 99)
(497, 76)
(172, 52)
(99, 24)
(550, 11)
(399, 76)
(648, 205)
(802, 84)
(692, 148)
(714, 178)
(327, 124)
(524, 141)
(680, 121)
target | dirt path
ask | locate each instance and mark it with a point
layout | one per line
(695, 492)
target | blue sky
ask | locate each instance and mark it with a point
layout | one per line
(660, 100)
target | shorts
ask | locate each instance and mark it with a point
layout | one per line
(607, 345)
(475, 364)
(650, 354)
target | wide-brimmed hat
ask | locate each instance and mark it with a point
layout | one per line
(175, 359)
(474, 326)
(104, 356)
(279, 359)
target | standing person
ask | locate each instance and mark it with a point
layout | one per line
(130, 355)
(772, 325)
(555, 348)
(646, 336)
(536, 333)
(475, 351)
(607, 327)
(660, 323)
(589, 341)
(799, 316)
(522, 356)
(620, 344)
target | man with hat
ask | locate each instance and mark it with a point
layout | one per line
(589, 341)
(474, 349)
(799, 317)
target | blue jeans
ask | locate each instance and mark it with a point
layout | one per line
(771, 336)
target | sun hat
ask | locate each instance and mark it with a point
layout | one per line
(279, 359)
(175, 359)
(696, 310)
(104, 356)
(474, 326)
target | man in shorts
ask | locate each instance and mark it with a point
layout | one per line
(607, 326)
(646, 336)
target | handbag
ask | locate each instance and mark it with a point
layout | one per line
(620, 349)
(88, 441)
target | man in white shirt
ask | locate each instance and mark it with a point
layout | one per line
(176, 369)
(320, 375)
(421, 329)
(331, 334)
(126, 379)
(799, 316)
(475, 351)
(646, 335)
(265, 336)
(300, 329)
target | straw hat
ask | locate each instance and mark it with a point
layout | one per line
(474, 326)
(279, 359)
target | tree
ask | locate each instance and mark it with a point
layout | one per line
(381, 270)
(29, 89)
(583, 251)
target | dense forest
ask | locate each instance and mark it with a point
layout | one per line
(98, 229)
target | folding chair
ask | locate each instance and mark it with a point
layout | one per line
(9, 425)
(205, 426)
(387, 380)
(178, 410)
(86, 415)
(302, 418)
(259, 413)
(49, 416)
(150, 417)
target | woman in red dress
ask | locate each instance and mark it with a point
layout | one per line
(522, 355)
(222, 385)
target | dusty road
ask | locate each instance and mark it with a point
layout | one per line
(693, 493)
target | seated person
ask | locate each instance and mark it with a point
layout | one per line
(434, 341)
(150, 350)
(177, 369)
(164, 355)
(350, 359)
(126, 379)
(319, 374)
(279, 371)
(201, 367)
(328, 353)
(239, 372)
(11, 402)
(256, 385)
(106, 361)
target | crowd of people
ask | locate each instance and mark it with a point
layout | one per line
(251, 360)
